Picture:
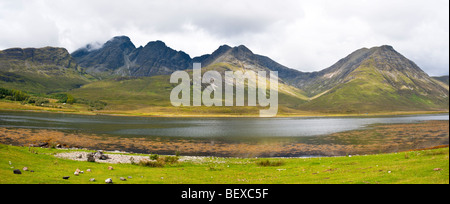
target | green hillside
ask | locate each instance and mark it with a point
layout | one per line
(369, 90)
(151, 96)
(44, 70)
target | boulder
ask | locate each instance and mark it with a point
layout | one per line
(99, 155)
(90, 157)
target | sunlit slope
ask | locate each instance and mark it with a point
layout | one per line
(44, 70)
(370, 88)
(151, 95)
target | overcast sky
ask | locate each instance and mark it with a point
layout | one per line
(308, 35)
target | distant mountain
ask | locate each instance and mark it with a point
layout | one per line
(106, 60)
(376, 79)
(444, 79)
(243, 57)
(41, 70)
(119, 57)
(158, 59)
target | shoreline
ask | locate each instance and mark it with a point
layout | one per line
(171, 115)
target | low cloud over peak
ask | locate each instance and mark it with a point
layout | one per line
(306, 35)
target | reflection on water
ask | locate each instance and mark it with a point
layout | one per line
(219, 128)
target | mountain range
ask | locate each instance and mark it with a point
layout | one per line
(378, 79)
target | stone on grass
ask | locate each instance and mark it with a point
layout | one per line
(108, 181)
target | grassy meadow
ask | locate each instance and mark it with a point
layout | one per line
(415, 167)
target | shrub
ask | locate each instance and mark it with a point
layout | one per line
(170, 160)
(93, 105)
(64, 98)
(154, 157)
(37, 101)
(19, 95)
(70, 99)
(5, 92)
(159, 163)
(13, 95)
(155, 164)
(269, 163)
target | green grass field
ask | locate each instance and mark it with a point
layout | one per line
(419, 167)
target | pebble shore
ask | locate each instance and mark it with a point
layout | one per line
(122, 159)
(112, 158)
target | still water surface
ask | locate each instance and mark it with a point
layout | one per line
(202, 128)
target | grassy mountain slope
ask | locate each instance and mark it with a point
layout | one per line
(43, 70)
(376, 87)
(443, 79)
(151, 96)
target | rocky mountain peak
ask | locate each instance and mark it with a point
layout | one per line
(156, 45)
(121, 39)
(242, 53)
(40, 56)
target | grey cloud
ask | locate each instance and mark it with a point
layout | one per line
(302, 34)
